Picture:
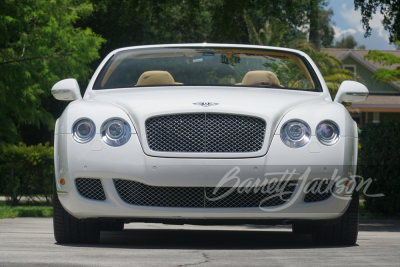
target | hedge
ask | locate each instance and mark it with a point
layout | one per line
(379, 159)
(26, 171)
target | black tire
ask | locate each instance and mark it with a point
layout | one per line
(70, 230)
(343, 233)
(302, 229)
(112, 226)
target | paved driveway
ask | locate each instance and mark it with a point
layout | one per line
(30, 242)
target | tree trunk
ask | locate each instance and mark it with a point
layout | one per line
(314, 27)
(13, 192)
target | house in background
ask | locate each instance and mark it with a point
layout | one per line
(383, 102)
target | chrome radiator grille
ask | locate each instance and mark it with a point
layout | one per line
(318, 190)
(90, 188)
(201, 197)
(205, 132)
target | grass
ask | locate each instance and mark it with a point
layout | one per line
(24, 211)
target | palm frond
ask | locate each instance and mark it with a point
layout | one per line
(253, 35)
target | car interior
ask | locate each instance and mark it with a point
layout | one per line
(195, 66)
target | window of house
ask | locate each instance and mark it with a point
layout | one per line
(351, 68)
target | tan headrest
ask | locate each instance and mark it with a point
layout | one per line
(258, 76)
(156, 77)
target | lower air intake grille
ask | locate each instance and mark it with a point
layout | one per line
(202, 197)
(90, 188)
(319, 190)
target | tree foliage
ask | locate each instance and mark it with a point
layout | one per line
(383, 74)
(39, 45)
(347, 42)
(379, 159)
(326, 30)
(390, 9)
(321, 31)
(229, 26)
(26, 171)
(313, 17)
(133, 22)
(274, 33)
(278, 34)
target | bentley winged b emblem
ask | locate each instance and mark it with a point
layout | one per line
(206, 104)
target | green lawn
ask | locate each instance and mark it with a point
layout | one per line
(24, 211)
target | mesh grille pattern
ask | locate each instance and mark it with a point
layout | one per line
(200, 197)
(144, 195)
(253, 197)
(233, 133)
(205, 132)
(90, 188)
(319, 190)
(176, 133)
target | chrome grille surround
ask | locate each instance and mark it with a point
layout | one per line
(319, 190)
(136, 193)
(205, 132)
(90, 188)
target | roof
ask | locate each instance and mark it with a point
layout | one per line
(342, 53)
(379, 101)
(358, 54)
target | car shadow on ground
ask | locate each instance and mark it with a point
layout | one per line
(159, 236)
(203, 239)
(206, 239)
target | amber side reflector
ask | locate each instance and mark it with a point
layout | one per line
(62, 181)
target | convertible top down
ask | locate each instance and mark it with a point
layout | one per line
(206, 134)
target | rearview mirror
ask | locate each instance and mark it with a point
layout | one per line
(66, 90)
(350, 91)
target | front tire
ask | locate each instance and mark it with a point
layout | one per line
(343, 233)
(70, 230)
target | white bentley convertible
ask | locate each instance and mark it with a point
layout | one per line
(206, 134)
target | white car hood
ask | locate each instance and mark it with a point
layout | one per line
(142, 103)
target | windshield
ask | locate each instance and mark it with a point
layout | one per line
(182, 66)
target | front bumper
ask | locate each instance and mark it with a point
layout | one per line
(97, 160)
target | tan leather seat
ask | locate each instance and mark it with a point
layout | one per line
(259, 76)
(156, 77)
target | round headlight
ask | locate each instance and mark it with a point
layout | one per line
(115, 132)
(295, 133)
(328, 133)
(83, 130)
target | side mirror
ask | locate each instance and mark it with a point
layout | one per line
(350, 91)
(66, 90)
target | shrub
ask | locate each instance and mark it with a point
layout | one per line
(380, 160)
(26, 171)
(35, 211)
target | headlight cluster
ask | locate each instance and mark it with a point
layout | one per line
(113, 132)
(83, 130)
(297, 133)
(328, 133)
